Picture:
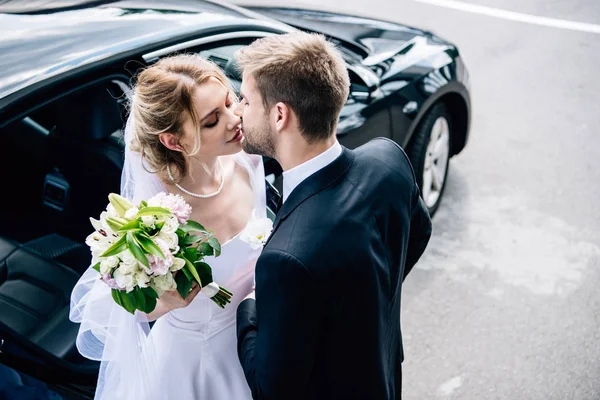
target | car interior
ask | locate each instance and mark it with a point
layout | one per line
(65, 159)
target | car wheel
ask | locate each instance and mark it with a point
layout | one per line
(429, 154)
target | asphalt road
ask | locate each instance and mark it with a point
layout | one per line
(505, 303)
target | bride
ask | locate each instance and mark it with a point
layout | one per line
(181, 137)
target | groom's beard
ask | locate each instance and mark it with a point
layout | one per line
(259, 141)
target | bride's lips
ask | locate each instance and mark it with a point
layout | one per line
(239, 135)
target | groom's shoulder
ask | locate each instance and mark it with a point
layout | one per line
(383, 149)
(382, 161)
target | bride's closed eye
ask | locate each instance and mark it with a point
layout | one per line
(228, 104)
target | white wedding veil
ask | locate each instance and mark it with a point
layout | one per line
(120, 341)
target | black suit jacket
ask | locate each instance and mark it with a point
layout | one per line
(326, 320)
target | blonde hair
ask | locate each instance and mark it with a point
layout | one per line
(162, 100)
(304, 71)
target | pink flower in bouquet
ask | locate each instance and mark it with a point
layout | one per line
(112, 283)
(174, 203)
(160, 266)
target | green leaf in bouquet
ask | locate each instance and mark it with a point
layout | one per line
(148, 211)
(143, 203)
(131, 226)
(192, 226)
(204, 271)
(206, 249)
(191, 254)
(140, 299)
(148, 245)
(149, 292)
(183, 284)
(118, 247)
(116, 297)
(136, 250)
(190, 239)
(97, 266)
(128, 301)
(150, 304)
(190, 267)
(214, 243)
(187, 274)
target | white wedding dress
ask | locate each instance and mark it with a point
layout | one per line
(189, 353)
(197, 345)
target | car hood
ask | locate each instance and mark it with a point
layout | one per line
(394, 52)
(370, 37)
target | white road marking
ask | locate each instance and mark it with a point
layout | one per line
(514, 16)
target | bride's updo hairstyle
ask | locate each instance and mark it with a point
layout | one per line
(162, 99)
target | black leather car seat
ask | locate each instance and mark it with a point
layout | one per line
(36, 335)
(75, 255)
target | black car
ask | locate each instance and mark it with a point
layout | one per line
(65, 70)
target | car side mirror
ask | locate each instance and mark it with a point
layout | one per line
(364, 83)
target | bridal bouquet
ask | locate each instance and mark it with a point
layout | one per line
(145, 250)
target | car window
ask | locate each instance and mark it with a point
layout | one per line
(42, 120)
(222, 53)
(224, 57)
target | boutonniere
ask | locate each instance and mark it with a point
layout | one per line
(257, 231)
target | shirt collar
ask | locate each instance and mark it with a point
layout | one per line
(295, 176)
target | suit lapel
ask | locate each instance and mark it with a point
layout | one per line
(313, 185)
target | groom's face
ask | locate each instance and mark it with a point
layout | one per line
(258, 135)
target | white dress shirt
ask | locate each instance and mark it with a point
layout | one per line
(295, 176)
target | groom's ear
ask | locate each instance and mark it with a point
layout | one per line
(282, 116)
(170, 141)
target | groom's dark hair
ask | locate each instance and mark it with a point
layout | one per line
(304, 71)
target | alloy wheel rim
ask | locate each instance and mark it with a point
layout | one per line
(436, 162)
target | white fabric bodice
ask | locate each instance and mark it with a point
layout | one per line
(233, 269)
(197, 345)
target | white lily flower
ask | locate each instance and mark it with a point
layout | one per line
(111, 212)
(96, 224)
(119, 204)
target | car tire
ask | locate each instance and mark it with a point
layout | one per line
(429, 153)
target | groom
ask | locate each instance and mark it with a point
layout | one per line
(326, 320)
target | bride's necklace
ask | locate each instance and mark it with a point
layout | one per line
(201, 196)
